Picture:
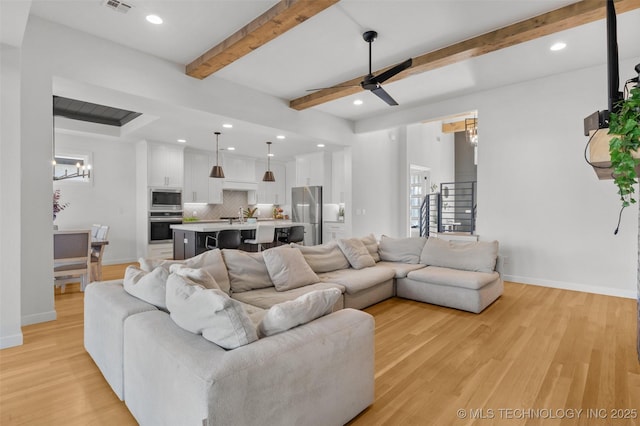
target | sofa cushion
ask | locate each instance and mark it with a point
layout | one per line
(197, 276)
(247, 271)
(371, 244)
(469, 256)
(323, 258)
(147, 286)
(401, 269)
(210, 260)
(355, 280)
(453, 277)
(356, 253)
(306, 308)
(288, 269)
(406, 250)
(209, 312)
(267, 297)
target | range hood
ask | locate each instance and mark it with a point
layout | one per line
(239, 185)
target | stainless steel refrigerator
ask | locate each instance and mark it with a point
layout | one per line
(306, 207)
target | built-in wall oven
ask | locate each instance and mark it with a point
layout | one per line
(165, 199)
(160, 225)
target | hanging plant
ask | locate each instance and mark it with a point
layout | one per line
(625, 125)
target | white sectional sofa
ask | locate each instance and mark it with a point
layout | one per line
(154, 342)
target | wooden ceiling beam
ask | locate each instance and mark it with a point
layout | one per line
(567, 17)
(274, 22)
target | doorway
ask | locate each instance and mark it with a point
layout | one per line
(419, 184)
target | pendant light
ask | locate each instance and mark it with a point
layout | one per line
(471, 130)
(268, 175)
(216, 171)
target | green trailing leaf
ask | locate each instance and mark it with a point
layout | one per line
(625, 125)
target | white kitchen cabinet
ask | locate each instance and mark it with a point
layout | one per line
(215, 188)
(271, 192)
(237, 168)
(338, 177)
(196, 177)
(165, 165)
(333, 231)
(310, 169)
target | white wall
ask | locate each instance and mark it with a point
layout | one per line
(10, 218)
(428, 147)
(377, 184)
(109, 200)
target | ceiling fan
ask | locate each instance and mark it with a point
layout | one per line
(373, 83)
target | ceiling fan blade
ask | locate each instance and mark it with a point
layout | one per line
(379, 92)
(393, 71)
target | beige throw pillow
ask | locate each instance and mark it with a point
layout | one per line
(306, 308)
(210, 260)
(197, 276)
(209, 312)
(356, 253)
(247, 271)
(405, 250)
(324, 257)
(288, 269)
(371, 244)
(147, 286)
(479, 256)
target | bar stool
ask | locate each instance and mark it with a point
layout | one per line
(294, 234)
(228, 238)
(264, 234)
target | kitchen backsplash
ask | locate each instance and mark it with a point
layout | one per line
(233, 200)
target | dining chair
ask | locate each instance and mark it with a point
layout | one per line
(71, 258)
(94, 230)
(227, 238)
(97, 252)
(294, 234)
(264, 234)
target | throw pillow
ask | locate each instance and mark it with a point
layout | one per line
(147, 286)
(306, 308)
(356, 253)
(247, 271)
(479, 256)
(405, 250)
(371, 244)
(324, 257)
(198, 276)
(288, 269)
(209, 312)
(210, 260)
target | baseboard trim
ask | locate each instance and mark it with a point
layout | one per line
(11, 341)
(38, 318)
(607, 291)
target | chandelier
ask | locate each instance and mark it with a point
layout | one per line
(471, 130)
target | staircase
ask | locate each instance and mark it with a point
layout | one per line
(452, 210)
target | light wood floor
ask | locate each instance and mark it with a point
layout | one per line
(535, 348)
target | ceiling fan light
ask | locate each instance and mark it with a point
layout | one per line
(268, 176)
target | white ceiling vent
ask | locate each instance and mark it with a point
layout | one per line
(117, 5)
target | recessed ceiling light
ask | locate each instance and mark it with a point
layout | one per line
(320, 145)
(182, 140)
(358, 102)
(227, 126)
(281, 137)
(558, 46)
(231, 148)
(154, 19)
(269, 155)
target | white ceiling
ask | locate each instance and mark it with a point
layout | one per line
(328, 49)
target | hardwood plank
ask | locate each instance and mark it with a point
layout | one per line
(285, 15)
(567, 17)
(535, 347)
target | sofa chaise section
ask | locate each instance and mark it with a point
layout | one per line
(320, 373)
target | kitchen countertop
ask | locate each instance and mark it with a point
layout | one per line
(220, 226)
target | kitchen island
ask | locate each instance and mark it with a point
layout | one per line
(189, 238)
